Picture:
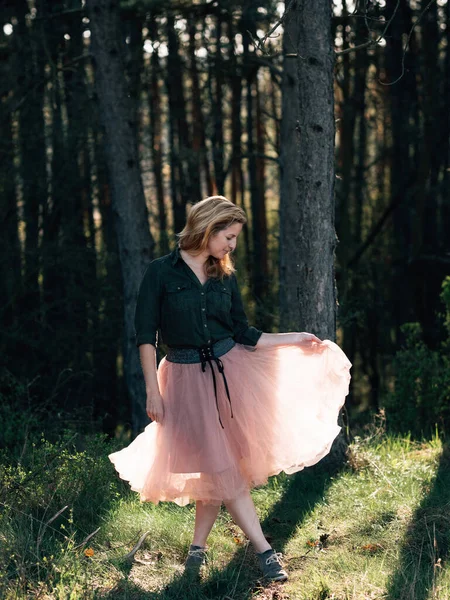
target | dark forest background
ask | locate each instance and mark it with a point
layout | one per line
(206, 108)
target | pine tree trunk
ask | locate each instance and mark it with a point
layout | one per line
(237, 176)
(198, 126)
(351, 333)
(307, 236)
(155, 109)
(258, 260)
(135, 67)
(107, 389)
(445, 203)
(259, 218)
(32, 157)
(216, 78)
(54, 269)
(10, 253)
(236, 134)
(307, 233)
(179, 132)
(404, 120)
(345, 156)
(428, 274)
(76, 256)
(131, 219)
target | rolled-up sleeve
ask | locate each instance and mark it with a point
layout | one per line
(147, 315)
(243, 332)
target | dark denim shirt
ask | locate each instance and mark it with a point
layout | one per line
(172, 301)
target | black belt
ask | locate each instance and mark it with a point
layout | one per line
(206, 355)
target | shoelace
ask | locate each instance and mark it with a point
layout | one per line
(207, 356)
(275, 557)
(198, 552)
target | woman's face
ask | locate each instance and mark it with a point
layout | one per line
(224, 241)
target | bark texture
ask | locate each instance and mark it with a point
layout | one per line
(307, 233)
(134, 239)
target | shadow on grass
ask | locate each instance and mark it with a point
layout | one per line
(240, 578)
(426, 545)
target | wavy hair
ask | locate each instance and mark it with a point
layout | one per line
(205, 219)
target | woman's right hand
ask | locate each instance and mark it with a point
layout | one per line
(155, 406)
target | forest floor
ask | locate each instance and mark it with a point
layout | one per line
(378, 528)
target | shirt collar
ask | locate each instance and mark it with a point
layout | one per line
(175, 254)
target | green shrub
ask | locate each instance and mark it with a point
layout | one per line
(16, 417)
(420, 402)
(51, 500)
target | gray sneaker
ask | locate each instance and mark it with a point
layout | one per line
(196, 558)
(271, 565)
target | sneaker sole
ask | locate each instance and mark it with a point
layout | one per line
(279, 578)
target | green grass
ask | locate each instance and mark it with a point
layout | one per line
(378, 528)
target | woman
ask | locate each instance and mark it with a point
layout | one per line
(230, 405)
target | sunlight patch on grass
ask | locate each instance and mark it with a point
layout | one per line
(364, 519)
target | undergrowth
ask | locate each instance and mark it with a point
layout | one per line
(378, 528)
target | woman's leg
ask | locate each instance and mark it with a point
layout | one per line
(244, 514)
(205, 516)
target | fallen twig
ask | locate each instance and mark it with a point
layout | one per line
(55, 516)
(91, 535)
(141, 540)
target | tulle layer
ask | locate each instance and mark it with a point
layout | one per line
(283, 416)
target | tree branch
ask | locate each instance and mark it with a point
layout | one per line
(69, 11)
(13, 108)
(397, 200)
(407, 43)
(260, 42)
(371, 42)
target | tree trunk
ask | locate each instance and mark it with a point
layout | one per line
(351, 332)
(307, 223)
(198, 126)
(54, 267)
(237, 176)
(107, 385)
(259, 218)
(404, 122)
(134, 238)
(10, 253)
(258, 260)
(236, 126)
(345, 156)
(427, 276)
(307, 235)
(237, 191)
(216, 78)
(180, 138)
(154, 101)
(445, 202)
(79, 261)
(32, 158)
(135, 67)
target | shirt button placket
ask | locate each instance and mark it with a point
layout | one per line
(205, 324)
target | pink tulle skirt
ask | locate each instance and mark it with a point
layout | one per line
(285, 405)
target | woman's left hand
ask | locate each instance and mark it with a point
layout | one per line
(307, 337)
(307, 340)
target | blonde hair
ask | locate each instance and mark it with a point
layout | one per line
(205, 219)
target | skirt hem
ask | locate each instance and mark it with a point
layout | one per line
(185, 498)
